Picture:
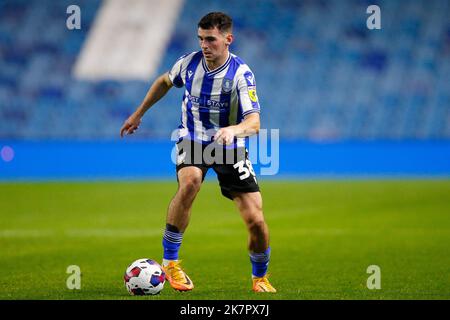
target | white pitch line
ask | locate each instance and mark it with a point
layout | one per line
(131, 233)
(26, 233)
(119, 233)
(212, 231)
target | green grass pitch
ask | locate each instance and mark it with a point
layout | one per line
(324, 235)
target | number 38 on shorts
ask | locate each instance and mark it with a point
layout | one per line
(245, 169)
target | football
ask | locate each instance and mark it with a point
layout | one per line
(144, 277)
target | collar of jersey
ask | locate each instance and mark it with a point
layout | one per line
(217, 70)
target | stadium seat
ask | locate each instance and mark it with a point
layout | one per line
(332, 80)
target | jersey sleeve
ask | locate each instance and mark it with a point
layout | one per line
(248, 98)
(175, 74)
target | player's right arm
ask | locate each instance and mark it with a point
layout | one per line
(158, 89)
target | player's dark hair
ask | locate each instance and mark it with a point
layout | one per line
(218, 20)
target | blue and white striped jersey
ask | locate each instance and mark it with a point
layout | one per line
(213, 99)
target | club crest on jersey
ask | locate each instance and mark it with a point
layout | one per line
(252, 94)
(190, 73)
(227, 85)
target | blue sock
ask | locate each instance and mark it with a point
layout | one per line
(260, 263)
(171, 242)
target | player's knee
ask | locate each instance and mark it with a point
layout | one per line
(257, 226)
(190, 185)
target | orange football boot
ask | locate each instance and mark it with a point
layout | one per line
(177, 278)
(263, 285)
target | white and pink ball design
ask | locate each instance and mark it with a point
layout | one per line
(144, 277)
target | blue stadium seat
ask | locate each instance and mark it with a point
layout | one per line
(334, 79)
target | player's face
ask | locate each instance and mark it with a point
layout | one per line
(214, 44)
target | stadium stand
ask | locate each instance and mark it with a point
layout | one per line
(321, 74)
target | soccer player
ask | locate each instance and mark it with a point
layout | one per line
(219, 109)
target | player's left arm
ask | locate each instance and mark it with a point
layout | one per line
(248, 127)
(248, 100)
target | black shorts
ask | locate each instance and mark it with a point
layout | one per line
(232, 166)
